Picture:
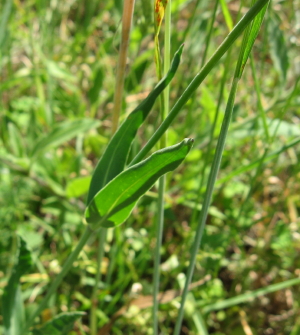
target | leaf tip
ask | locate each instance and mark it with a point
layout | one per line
(188, 142)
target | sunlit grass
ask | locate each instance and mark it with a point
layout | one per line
(58, 65)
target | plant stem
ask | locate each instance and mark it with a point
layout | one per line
(207, 199)
(101, 237)
(159, 234)
(162, 180)
(206, 155)
(67, 266)
(229, 40)
(126, 25)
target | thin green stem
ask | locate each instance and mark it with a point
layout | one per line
(157, 258)
(206, 157)
(213, 176)
(101, 237)
(207, 199)
(162, 180)
(67, 266)
(249, 296)
(212, 62)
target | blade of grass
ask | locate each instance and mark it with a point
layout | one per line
(226, 14)
(206, 156)
(255, 163)
(246, 297)
(214, 172)
(198, 79)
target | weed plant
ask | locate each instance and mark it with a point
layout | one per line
(212, 247)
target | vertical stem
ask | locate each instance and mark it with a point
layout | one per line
(159, 234)
(101, 237)
(214, 172)
(162, 180)
(211, 135)
(126, 25)
(207, 199)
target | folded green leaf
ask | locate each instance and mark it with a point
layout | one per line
(114, 158)
(13, 313)
(59, 325)
(65, 131)
(114, 203)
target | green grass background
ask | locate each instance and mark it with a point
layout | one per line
(58, 64)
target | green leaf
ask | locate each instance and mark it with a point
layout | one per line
(62, 133)
(13, 313)
(117, 199)
(114, 158)
(59, 325)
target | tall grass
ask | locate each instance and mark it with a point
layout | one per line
(235, 195)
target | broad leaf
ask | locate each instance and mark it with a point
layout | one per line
(114, 158)
(59, 325)
(114, 203)
(65, 131)
(13, 313)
